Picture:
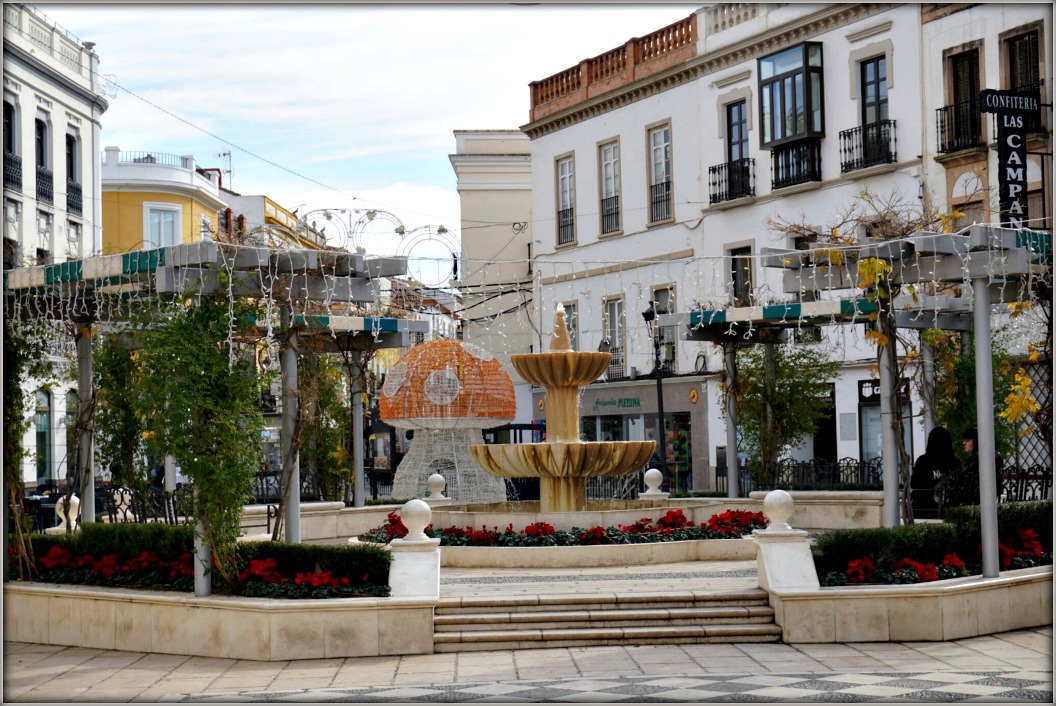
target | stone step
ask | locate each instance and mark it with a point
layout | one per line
(629, 617)
(475, 641)
(550, 603)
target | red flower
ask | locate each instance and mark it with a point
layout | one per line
(144, 561)
(674, 519)
(56, 556)
(261, 570)
(953, 560)
(538, 529)
(1028, 539)
(106, 566)
(925, 572)
(860, 570)
(1006, 555)
(594, 535)
(394, 526)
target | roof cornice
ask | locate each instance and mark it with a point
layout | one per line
(799, 30)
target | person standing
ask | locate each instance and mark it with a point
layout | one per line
(970, 438)
(933, 469)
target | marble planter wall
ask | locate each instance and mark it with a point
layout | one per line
(940, 610)
(602, 555)
(218, 626)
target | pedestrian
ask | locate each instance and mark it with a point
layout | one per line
(970, 438)
(932, 472)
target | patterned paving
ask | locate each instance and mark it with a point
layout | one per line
(943, 687)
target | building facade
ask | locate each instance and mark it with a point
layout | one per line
(663, 168)
(494, 173)
(53, 103)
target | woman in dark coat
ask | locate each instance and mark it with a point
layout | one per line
(936, 463)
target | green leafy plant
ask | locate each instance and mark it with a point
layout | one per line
(118, 424)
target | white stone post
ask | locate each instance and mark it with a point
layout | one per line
(415, 568)
(783, 553)
(436, 498)
(653, 479)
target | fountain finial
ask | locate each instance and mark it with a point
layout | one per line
(561, 340)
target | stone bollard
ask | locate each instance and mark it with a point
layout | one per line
(415, 568)
(653, 480)
(436, 484)
(783, 553)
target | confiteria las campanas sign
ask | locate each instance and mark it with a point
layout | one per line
(1013, 112)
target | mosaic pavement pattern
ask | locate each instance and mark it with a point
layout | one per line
(911, 687)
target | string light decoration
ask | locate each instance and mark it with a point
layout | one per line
(447, 391)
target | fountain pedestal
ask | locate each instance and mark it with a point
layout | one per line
(563, 462)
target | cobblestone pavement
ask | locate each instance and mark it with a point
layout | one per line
(1014, 666)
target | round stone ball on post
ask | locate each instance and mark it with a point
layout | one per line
(416, 515)
(777, 508)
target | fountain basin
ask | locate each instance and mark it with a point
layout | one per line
(561, 368)
(573, 459)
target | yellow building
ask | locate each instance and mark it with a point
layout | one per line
(152, 200)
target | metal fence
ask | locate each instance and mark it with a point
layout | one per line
(814, 474)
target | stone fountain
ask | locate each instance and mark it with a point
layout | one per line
(563, 462)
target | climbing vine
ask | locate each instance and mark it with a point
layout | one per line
(200, 403)
(118, 425)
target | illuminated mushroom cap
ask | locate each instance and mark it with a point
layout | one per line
(447, 384)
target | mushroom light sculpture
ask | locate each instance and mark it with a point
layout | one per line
(447, 391)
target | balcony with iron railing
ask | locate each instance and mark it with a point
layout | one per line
(610, 214)
(868, 145)
(795, 163)
(660, 201)
(733, 180)
(959, 126)
(12, 171)
(74, 198)
(566, 227)
(638, 58)
(45, 185)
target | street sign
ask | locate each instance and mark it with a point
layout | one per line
(1013, 112)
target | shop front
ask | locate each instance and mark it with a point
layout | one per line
(626, 411)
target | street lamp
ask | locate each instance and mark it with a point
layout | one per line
(650, 315)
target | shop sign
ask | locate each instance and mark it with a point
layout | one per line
(600, 405)
(869, 391)
(1013, 112)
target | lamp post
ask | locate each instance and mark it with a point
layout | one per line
(650, 315)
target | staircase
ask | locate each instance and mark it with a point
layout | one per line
(478, 623)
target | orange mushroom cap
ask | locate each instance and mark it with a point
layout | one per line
(446, 384)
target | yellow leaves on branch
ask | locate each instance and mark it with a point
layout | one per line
(1034, 352)
(834, 256)
(876, 337)
(1017, 308)
(948, 219)
(872, 270)
(1019, 402)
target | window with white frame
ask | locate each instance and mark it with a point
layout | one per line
(566, 200)
(613, 327)
(162, 225)
(660, 173)
(609, 166)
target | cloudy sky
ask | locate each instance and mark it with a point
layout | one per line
(338, 105)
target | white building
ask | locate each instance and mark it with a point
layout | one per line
(659, 167)
(53, 101)
(494, 172)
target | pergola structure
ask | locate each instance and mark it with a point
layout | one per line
(999, 265)
(305, 292)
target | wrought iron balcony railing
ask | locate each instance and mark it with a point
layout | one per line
(45, 185)
(733, 180)
(868, 146)
(566, 231)
(610, 214)
(660, 201)
(12, 171)
(795, 163)
(959, 126)
(74, 198)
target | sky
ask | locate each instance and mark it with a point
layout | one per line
(338, 105)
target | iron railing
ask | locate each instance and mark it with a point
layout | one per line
(74, 198)
(566, 231)
(610, 214)
(868, 146)
(149, 505)
(1014, 485)
(660, 201)
(959, 126)
(815, 474)
(795, 163)
(45, 185)
(12, 171)
(617, 364)
(733, 180)
(613, 487)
